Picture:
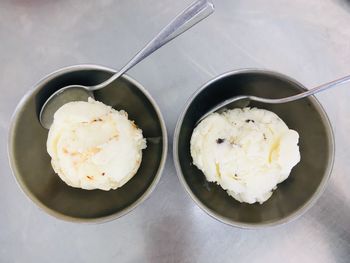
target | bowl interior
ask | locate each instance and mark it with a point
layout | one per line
(307, 178)
(31, 162)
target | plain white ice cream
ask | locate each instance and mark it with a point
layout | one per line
(93, 146)
(246, 151)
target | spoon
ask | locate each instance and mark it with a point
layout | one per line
(184, 21)
(244, 100)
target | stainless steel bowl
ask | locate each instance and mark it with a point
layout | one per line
(30, 162)
(307, 180)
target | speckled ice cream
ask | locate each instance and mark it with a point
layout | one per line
(93, 146)
(246, 151)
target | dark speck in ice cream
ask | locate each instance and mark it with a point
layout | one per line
(219, 141)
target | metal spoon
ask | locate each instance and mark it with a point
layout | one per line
(185, 20)
(244, 100)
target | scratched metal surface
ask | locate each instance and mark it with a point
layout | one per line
(308, 40)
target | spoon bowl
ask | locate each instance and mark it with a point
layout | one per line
(59, 98)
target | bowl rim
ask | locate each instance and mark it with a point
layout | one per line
(27, 191)
(297, 213)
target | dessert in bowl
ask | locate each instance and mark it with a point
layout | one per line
(31, 163)
(307, 178)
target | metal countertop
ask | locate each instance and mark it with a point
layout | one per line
(307, 40)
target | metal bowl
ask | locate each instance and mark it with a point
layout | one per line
(307, 180)
(30, 161)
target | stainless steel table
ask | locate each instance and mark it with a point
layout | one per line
(308, 40)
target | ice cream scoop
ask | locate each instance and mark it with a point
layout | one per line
(93, 146)
(246, 151)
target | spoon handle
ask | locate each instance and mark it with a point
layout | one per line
(246, 98)
(184, 21)
(303, 94)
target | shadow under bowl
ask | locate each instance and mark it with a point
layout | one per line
(308, 178)
(31, 164)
